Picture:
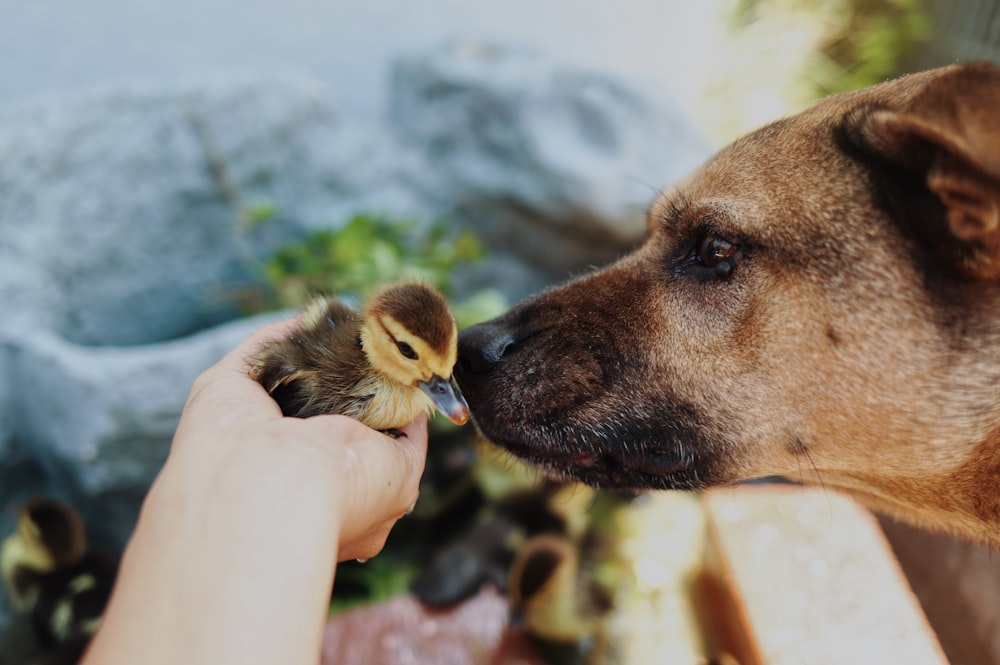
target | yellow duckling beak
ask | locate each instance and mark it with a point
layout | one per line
(447, 399)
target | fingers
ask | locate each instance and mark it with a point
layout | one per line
(239, 359)
(368, 545)
(417, 430)
(379, 476)
(226, 389)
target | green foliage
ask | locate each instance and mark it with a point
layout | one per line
(367, 251)
(377, 579)
(481, 305)
(870, 44)
(863, 43)
(258, 214)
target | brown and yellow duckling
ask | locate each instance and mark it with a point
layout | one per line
(554, 604)
(49, 535)
(382, 367)
(52, 576)
(544, 590)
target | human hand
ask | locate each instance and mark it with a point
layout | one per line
(230, 423)
(233, 557)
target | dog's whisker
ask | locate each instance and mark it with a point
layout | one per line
(802, 475)
(804, 449)
(639, 180)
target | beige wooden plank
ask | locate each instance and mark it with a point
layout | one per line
(662, 544)
(811, 580)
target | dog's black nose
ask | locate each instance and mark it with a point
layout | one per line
(482, 346)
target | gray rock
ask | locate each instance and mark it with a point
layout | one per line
(123, 207)
(538, 155)
(93, 427)
(99, 420)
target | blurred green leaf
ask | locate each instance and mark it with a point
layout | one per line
(872, 41)
(259, 214)
(378, 579)
(864, 43)
(370, 250)
(480, 306)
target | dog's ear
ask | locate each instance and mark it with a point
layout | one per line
(947, 132)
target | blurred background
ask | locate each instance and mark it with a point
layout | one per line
(773, 54)
(172, 174)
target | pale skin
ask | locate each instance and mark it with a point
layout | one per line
(235, 551)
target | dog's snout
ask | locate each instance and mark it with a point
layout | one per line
(482, 346)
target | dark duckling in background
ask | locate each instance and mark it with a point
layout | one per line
(554, 603)
(53, 577)
(382, 367)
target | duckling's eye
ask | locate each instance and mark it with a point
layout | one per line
(406, 350)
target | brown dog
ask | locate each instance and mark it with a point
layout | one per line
(820, 300)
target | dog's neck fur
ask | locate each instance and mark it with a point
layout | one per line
(961, 501)
(975, 481)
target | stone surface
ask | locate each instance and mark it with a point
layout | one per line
(401, 630)
(108, 414)
(538, 155)
(119, 212)
(92, 425)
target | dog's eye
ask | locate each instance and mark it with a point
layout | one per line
(717, 254)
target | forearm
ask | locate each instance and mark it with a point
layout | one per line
(204, 583)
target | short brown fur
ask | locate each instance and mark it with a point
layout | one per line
(820, 300)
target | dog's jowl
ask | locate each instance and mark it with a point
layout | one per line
(820, 300)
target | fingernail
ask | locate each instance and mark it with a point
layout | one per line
(362, 560)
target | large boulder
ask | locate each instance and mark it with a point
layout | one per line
(552, 163)
(99, 419)
(121, 212)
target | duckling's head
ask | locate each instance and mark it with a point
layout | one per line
(542, 570)
(409, 334)
(542, 590)
(49, 535)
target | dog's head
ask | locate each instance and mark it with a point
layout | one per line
(813, 298)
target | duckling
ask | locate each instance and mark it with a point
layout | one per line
(383, 366)
(476, 536)
(52, 576)
(552, 605)
(49, 535)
